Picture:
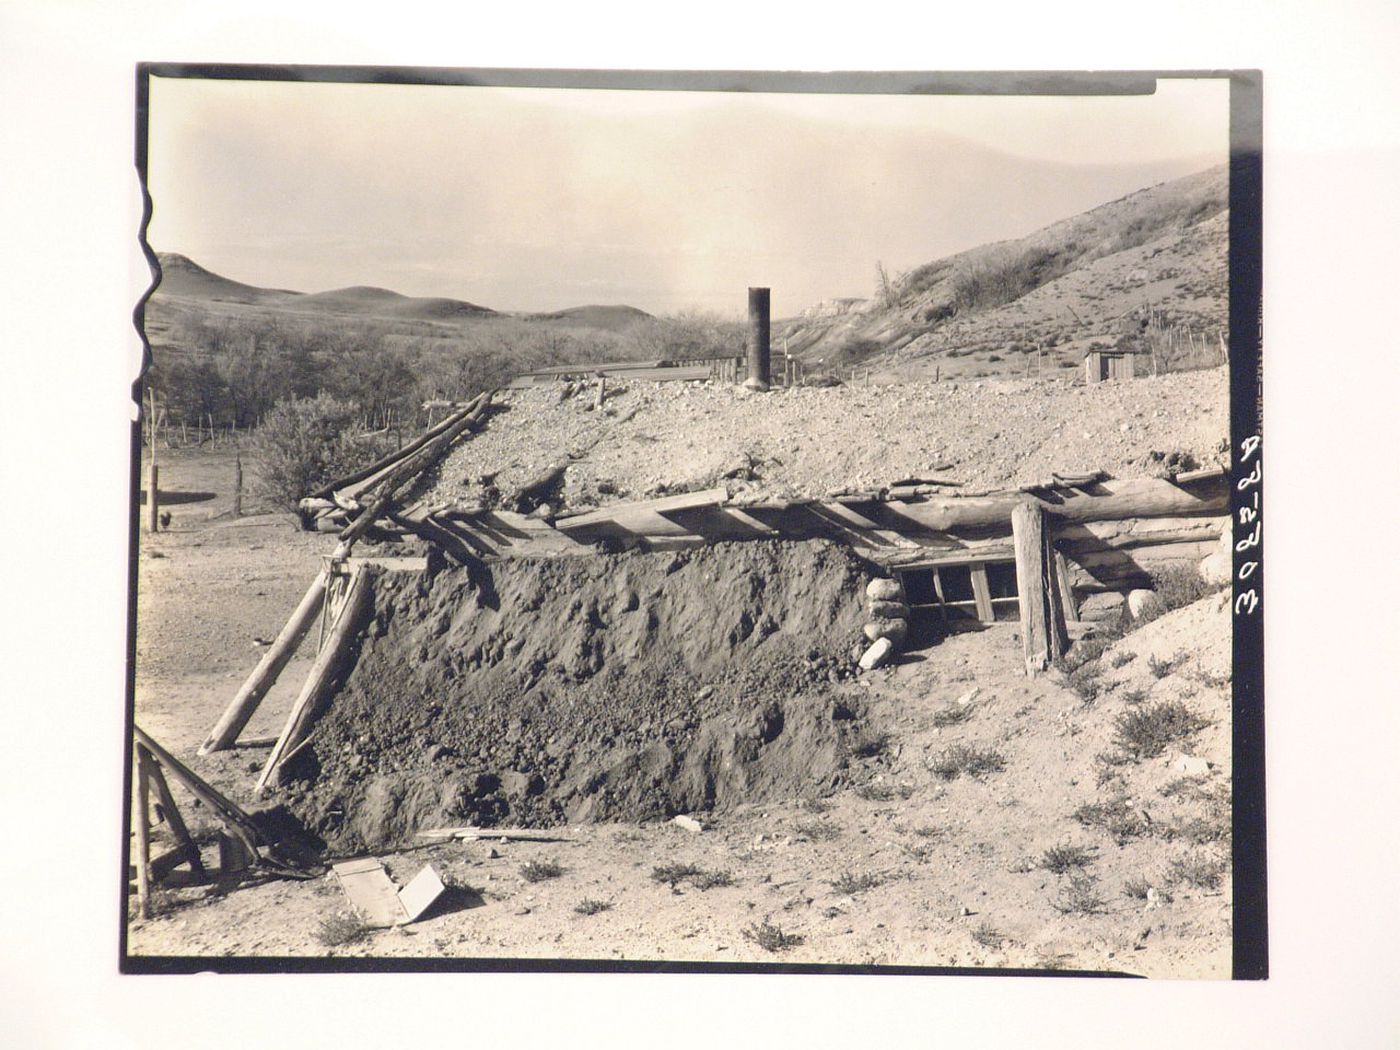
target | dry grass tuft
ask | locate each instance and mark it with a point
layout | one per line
(341, 928)
(1080, 896)
(771, 938)
(541, 870)
(971, 761)
(1065, 858)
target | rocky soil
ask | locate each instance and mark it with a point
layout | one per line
(651, 439)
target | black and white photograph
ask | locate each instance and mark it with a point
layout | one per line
(617, 520)
(739, 525)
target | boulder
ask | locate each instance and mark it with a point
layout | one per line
(884, 610)
(883, 590)
(1143, 602)
(877, 654)
(895, 630)
(1216, 569)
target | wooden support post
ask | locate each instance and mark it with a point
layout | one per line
(237, 483)
(184, 843)
(143, 831)
(320, 678)
(758, 339)
(152, 501)
(982, 594)
(231, 723)
(602, 391)
(1042, 616)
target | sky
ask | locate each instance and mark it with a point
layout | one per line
(541, 199)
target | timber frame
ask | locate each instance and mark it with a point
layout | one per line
(1067, 536)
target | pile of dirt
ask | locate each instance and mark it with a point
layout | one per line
(621, 687)
(653, 439)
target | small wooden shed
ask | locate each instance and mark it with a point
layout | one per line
(1111, 363)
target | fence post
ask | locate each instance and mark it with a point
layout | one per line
(758, 339)
(237, 483)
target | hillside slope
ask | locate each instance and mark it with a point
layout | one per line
(1090, 279)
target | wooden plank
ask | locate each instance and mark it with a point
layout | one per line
(982, 594)
(250, 694)
(319, 679)
(860, 521)
(746, 519)
(1069, 605)
(682, 501)
(390, 564)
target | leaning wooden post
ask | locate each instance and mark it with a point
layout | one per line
(321, 676)
(758, 339)
(1043, 631)
(231, 723)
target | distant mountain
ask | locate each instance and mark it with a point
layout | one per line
(184, 277)
(1159, 252)
(607, 318)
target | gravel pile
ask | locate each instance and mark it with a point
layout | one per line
(653, 439)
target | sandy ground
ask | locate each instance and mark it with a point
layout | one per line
(942, 872)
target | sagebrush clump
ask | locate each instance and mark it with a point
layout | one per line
(306, 442)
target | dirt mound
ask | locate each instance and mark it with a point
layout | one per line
(654, 439)
(610, 687)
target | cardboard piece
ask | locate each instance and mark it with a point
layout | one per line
(373, 894)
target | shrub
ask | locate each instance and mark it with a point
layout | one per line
(1061, 859)
(1116, 817)
(540, 870)
(1196, 870)
(302, 444)
(1175, 587)
(1146, 732)
(819, 830)
(1162, 668)
(341, 928)
(1080, 896)
(849, 884)
(771, 938)
(699, 878)
(1136, 888)
(591, 906)
(987, 935)
(952, 715)
(959, 759)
